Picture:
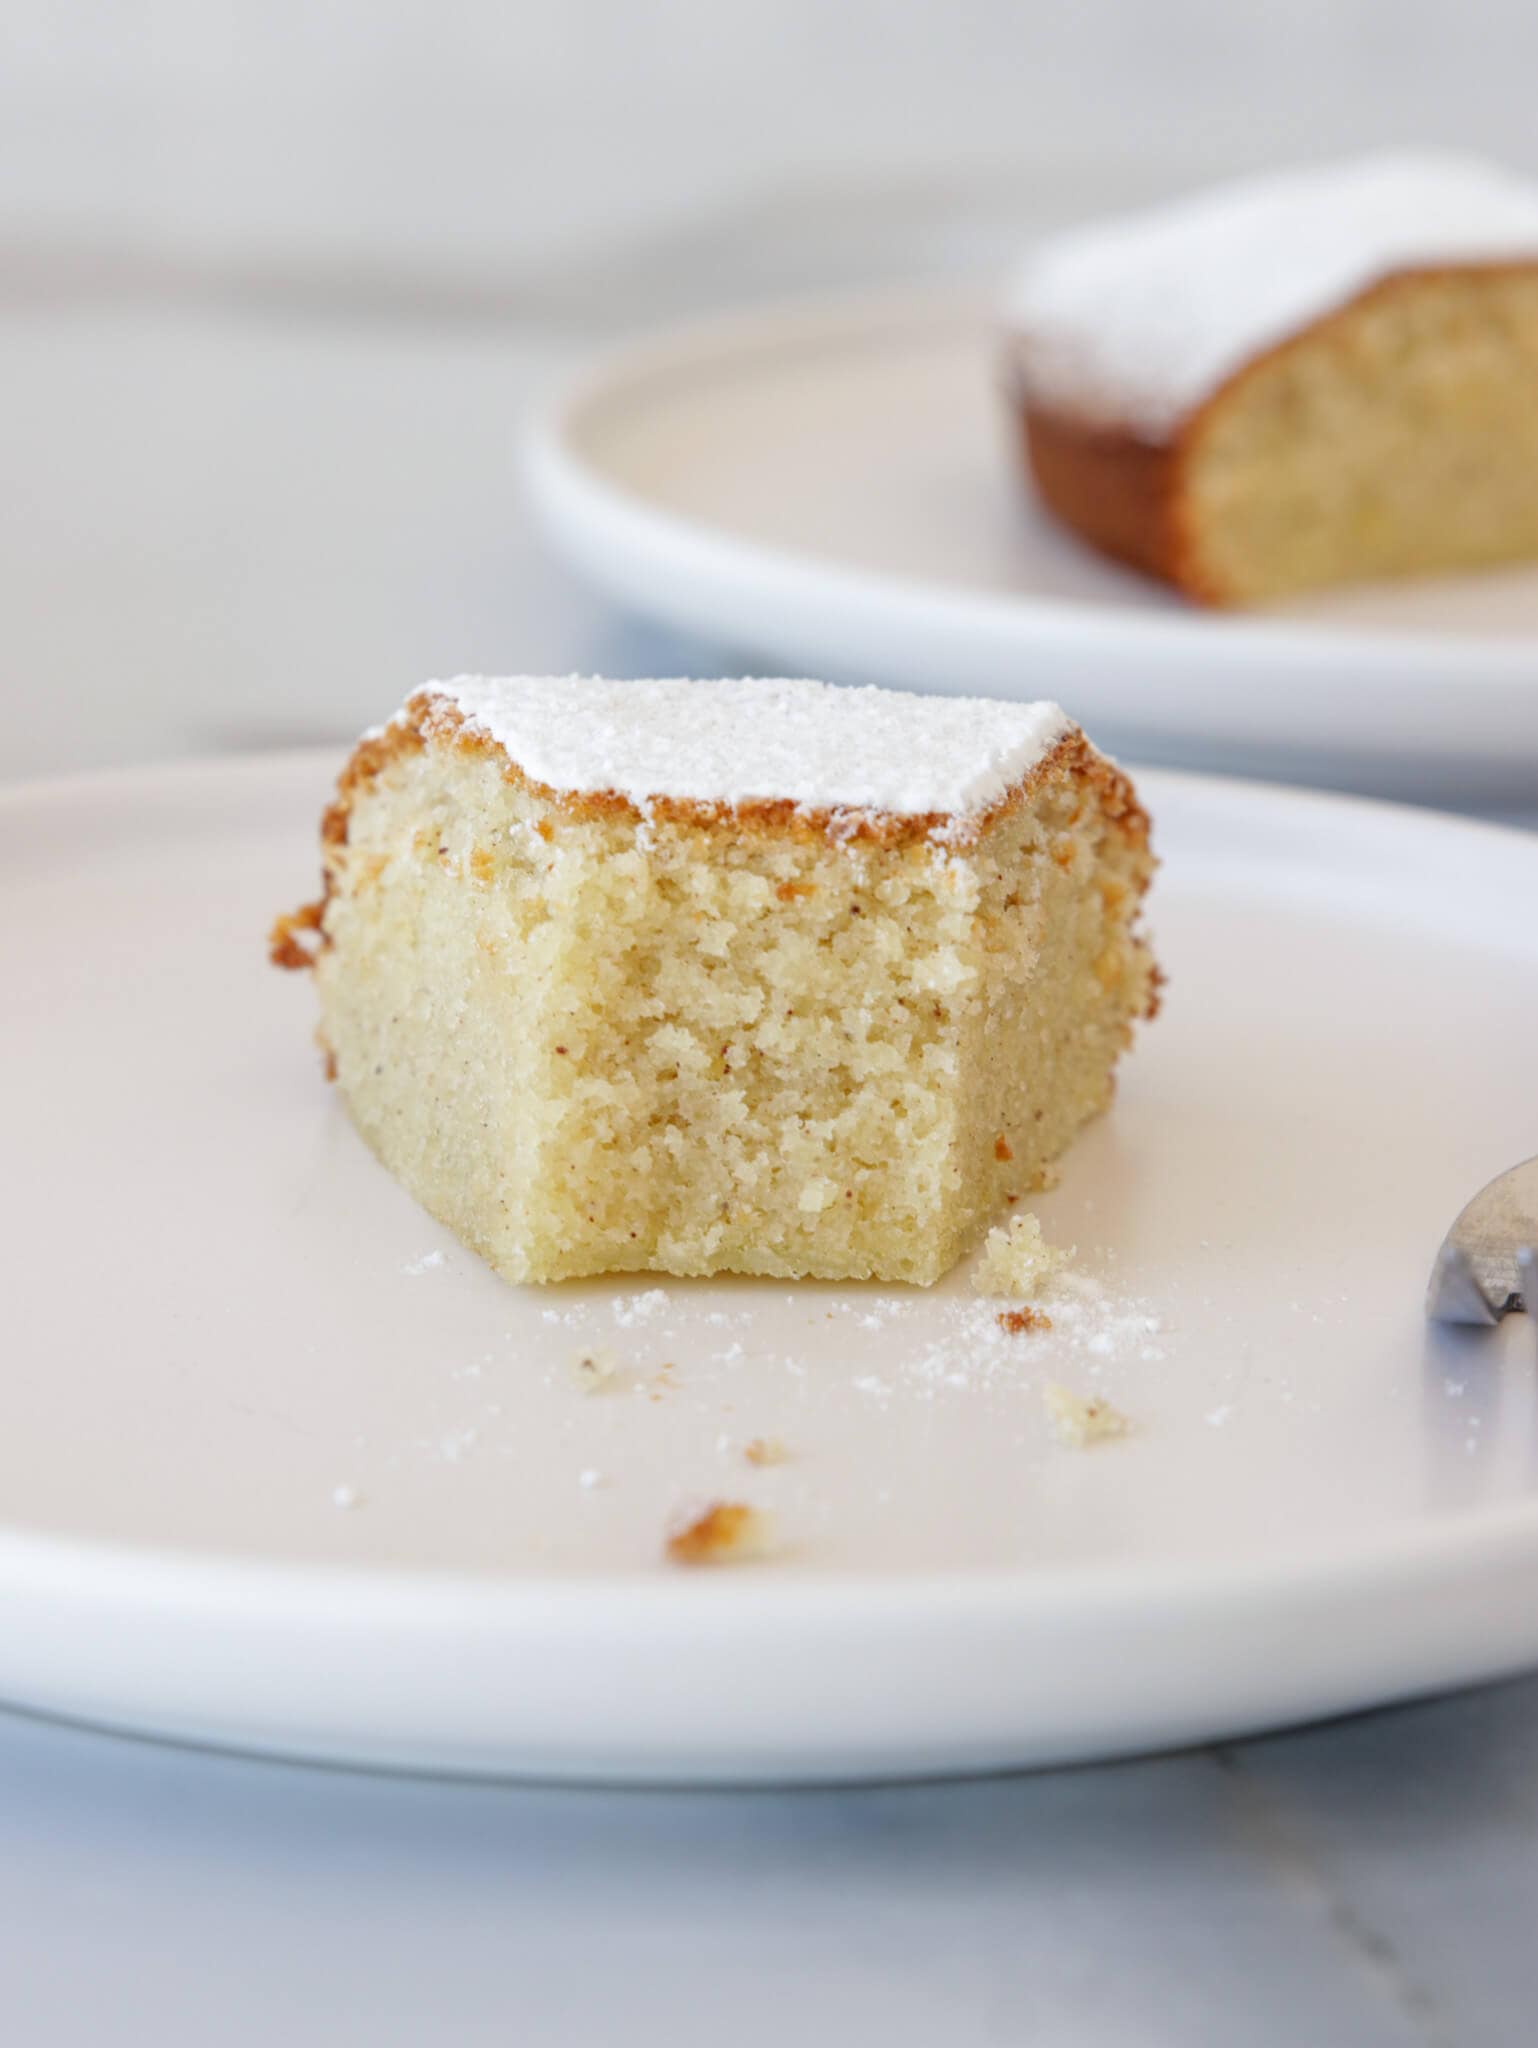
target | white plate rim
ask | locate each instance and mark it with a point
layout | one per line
(206, 1607)
(627, 542)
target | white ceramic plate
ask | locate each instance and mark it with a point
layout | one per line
(219, 1310)
(832, 490)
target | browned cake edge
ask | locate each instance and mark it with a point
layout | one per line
(1116, 489)
(429, 718)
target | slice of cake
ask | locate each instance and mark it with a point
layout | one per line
(748, 977)
(1320, 377)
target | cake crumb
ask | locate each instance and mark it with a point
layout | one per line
(285, 948)
(727, 1532)
(1079, 1422)
(765, 1450)
(346, 1497)
(428, 1263)
(1015, 1320)
(1016, 1259)
(589, 1478)
(592, 1370)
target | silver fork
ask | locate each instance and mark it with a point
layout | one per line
(1488, 1262)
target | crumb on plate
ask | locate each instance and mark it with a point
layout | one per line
(1016, 1320)
(592, 1370)
(765, 1450)
(727, 1532)
(1079, 1421)
(1016, 1259)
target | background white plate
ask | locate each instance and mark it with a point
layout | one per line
(218, 1310)
(833, 489)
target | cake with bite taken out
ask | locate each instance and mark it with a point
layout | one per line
(731, 977)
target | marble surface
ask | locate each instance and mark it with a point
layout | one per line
(245, 509)
(1367, 1885)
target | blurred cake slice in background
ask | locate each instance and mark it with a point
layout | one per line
(748, 977)
(1322, 376)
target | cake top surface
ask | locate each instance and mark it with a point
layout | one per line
(759, 740)
(1140, 318)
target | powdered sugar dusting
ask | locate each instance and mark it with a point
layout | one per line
(1139, 319)
(883, 1426)
(639, 1308)
(753, 739)
(955, 1342)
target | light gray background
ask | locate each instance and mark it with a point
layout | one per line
(537, 139)
(276, 282)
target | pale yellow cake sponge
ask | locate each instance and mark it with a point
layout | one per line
(591, 1035)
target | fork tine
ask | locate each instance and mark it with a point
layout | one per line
(1488, 1263)
(1455, 1295)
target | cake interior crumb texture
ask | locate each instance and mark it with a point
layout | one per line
(593, 1035)
(1399, 438)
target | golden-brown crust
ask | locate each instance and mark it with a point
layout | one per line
(429, 718)
(1158, 981)
(284, 946)
(1124, 491)
(1116, 489)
